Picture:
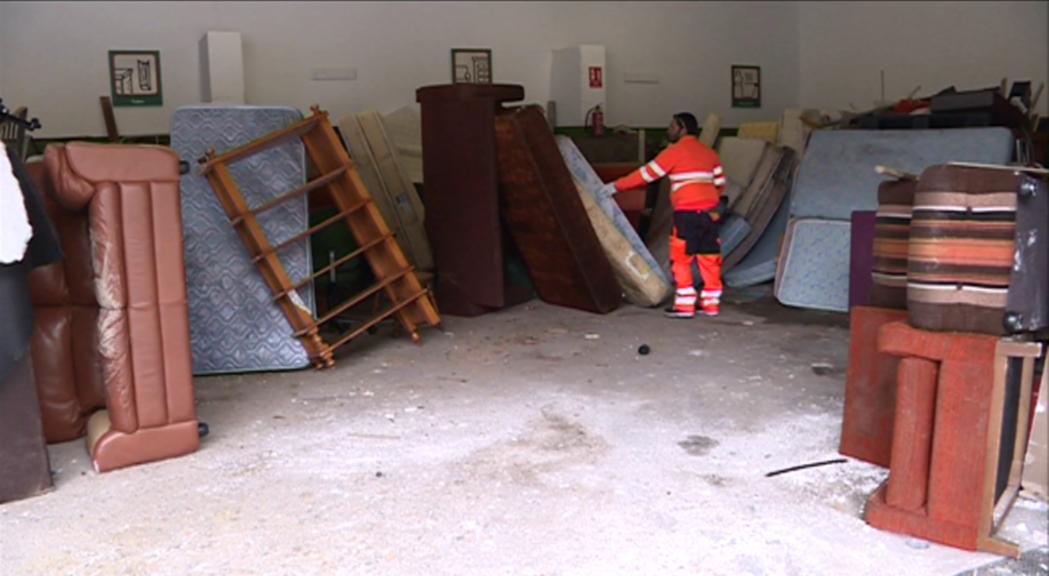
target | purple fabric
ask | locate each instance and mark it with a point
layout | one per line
(861, 258)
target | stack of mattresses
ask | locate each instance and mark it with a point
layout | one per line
(759, 265)
(767, 191)
(837, 177)
(643, 280)
(740, 158)
(234, 324)
(389, 172)
(547, 218)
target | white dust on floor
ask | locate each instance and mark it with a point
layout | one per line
(510, 444)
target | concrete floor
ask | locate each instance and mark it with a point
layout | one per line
(533, 441)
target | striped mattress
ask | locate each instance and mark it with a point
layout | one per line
(961, 246)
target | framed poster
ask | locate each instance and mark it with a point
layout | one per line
(746, 87)
(471, 66)
(134, 78)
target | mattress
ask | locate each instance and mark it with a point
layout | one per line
(585, 175)
(388, 183)
(234, 324)
(402, 191)
(733, 230)
(759, 265)
(961, 250)
(813, 269)
(546, 217)
(763, 198)
(660, 225)
(711, 127)
(755, 192)
(739, 159)
(767, 131)
(793, 133)
(404, 130)
(838, 177)
(643, 282)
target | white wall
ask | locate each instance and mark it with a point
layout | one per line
(845, 45)
(57, 53)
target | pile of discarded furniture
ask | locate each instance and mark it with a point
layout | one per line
(500, 189)
(944, 360)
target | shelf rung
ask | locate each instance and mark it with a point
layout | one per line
(300, 191)
(312, 230)
(335, 264)
(386, 314)
(266, 142)
(360, 297)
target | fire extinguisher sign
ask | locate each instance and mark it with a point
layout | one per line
(595, 77)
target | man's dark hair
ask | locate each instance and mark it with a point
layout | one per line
(688, 121)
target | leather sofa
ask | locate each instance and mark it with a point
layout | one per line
(111, 347)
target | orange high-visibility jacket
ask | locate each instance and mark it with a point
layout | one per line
(696, 178)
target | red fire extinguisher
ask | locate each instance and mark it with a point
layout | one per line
(595, 120)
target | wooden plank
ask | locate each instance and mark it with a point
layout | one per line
(1022, 422)
(1027, 169)
(360, 297)
(421, 295)
(300, 191)
(312, 230)
(998, 546)
(338, 262)
(994, 437)
(111, 121)
(255, 146)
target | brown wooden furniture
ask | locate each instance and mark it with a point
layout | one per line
(409, 301)
(470, 246)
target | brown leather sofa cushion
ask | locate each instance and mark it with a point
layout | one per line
(65, 357)
(128, 197)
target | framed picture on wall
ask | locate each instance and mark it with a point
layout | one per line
(134, 78)
(746, 87)
(471, 66)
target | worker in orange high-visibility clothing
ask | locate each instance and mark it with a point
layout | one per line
(696, 183)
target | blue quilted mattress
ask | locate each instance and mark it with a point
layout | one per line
(837, 173)
(759, 265)
(234, 324)
(583, 172)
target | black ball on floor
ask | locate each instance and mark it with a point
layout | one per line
(643, 350)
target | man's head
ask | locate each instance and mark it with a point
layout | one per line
(681, 124)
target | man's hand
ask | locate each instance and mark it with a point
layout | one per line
(609, 189)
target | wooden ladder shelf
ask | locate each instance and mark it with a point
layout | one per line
(410, 302)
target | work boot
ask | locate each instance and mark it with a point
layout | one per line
(711, 307)
(679, 312)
